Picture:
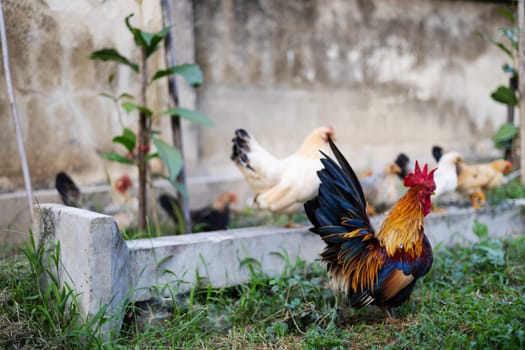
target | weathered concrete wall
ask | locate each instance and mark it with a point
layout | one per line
(390, 76)
(65, 122)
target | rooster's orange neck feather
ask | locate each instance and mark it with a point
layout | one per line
(402, 228)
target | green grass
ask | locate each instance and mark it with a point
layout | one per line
(473, 298)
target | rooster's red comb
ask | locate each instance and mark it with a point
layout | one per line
(421, 176)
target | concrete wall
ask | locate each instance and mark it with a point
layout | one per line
(390, 76)
(65, 122)
(103, 269)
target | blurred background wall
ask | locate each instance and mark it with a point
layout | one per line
(389, 76)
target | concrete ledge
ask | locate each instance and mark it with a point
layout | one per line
(93, 258)
(216, 257)
(103, 269)
(455, 227)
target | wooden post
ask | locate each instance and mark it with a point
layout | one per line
(521, 85)
(144, 122)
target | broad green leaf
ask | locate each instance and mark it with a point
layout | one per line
(149, 41)
(113, 55)
(114, 157)
(505, 134)
(156, 39)
(130, 107)
(180, 188)
(190, 115)
(128, 139)
(190, 72)
(505, 95)
(170, 156)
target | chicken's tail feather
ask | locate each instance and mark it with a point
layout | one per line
(402, 161)
(340, 206)
(350, 174)
(169, 204)
(241, 148)
(68, 190)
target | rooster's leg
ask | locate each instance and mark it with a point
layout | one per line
(389, 316)
(388, 313)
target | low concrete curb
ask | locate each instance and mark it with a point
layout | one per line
(103, 269)
(94, 258)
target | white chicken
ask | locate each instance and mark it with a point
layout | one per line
(381, 189)
(446, 175)
(281, 185)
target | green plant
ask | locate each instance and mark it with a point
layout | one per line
(507, 132)
(465, 302)
(513, 189)
(138, 146)
(38, 311)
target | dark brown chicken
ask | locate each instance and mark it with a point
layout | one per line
(210, 218)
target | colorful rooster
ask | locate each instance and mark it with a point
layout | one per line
(371, 268)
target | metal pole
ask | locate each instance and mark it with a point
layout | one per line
(176, 127)
(16, 119)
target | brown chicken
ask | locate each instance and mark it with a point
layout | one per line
(281, 185)
(372, 268)
(475, 180)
